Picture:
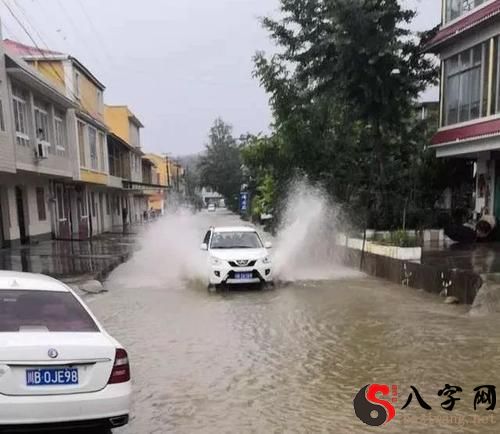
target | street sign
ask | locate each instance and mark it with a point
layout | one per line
(244, 202)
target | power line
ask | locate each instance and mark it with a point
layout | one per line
(96, 33)
(26, 16)
(56, 72)
(75, 28)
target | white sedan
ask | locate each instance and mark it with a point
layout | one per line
(237, 255)
(58, 367)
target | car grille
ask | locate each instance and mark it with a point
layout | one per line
(242, 263)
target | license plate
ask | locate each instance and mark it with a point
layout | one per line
(243, 276)
(51, 377)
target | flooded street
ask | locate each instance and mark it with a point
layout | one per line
(290, 359)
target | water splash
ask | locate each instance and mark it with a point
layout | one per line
(306, 240)
(168, 253)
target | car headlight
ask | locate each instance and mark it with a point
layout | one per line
(215, 261)
(266, 260)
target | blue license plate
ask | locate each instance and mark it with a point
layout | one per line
(51, 377)
(243, 276)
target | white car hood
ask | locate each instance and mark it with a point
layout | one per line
(238, 254)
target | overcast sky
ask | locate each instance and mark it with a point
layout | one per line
(178, 64)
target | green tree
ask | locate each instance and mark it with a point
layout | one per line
(221, 166)
(342, 89)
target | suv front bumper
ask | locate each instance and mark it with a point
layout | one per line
(225, 274)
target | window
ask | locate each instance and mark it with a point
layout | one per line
(102, 152)
(20, 105)
(77, 84)
(40, 203)
(235, 240)
(93, 148)
(25, 310)
(81, 143)
(455, 8)
(114, 160)
(60, 133)
(42, 121)
(465, 76)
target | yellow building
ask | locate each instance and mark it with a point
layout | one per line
(86, 125)
(157, 200)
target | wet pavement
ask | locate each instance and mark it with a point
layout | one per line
(288, 360)
(71, 259)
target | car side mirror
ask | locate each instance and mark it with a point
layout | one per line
(204, 247)
(268, 245)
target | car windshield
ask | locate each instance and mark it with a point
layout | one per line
(43, 310)
(236, 240)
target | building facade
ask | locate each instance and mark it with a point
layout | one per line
(125, 129)
(83, 212)
(36, 154)
(469, 126)
(70, 167)
(157, 199)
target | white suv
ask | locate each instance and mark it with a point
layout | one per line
(237, 255)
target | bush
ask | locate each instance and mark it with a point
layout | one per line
(398, 238)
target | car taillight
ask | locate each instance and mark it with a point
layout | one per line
(121, 368)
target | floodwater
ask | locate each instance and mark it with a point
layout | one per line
(289, 359)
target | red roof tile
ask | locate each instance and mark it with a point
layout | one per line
(27, 50)
(481, 15)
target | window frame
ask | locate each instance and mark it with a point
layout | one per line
(20, 110)
(459, 77)
(41, 113)
(82, 142)
(60, 133)
(92, 140)
(101, 139)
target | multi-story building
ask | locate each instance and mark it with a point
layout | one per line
(35, 154)
(157, 200)
(86, 201)
(469, 127)
(125, 129)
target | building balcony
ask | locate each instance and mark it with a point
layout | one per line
(468, 22)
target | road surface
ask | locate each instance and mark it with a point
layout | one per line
(289, 359)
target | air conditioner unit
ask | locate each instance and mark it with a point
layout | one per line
(42, 150)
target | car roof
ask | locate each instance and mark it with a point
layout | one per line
(14, 280)
(234, 229)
